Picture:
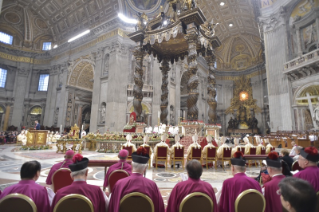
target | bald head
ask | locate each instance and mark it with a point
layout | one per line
(194, 169)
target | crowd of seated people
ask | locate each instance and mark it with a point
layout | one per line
(295, 194)
(8, 137)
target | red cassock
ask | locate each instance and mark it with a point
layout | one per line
(273, 202)
(122, 164)
(36, 192)
(310, 174)
(55, 167)
(232, 188)
(184, 188)
(136, 183)
(94, 193)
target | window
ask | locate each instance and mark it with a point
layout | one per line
(3, 77)
(46, 46)
(5, 38)
(215, 64)
(43, 82)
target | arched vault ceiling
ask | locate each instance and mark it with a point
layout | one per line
(66, 18)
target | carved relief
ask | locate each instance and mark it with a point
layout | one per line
(12, 17)
(106, 65)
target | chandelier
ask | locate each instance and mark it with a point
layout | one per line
(181, 32)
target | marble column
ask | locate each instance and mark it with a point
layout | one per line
(96, 89)
(19, 95)
(178, 77)
(211, 91)
(6, 117)
(299, 43)
(193, 81)
(63, 96)
(164, 97)
(79, 122)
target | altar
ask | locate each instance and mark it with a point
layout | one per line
(37, 137)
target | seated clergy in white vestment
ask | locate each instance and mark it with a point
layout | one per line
(145, 141)
(268, 146)
(248, 145)
(260, 146)
(194, 144)
(221, 147)
(171, 151)
(160, 144)
(209, 140)
(129, 143)
(236, 147)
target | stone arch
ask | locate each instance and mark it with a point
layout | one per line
(82, 75)
(312, 88)
(146, 106)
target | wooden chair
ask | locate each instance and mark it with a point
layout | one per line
(196, 154)
(161, 155)
(295, 166)
(115, 176)
(252, 151)
(61, 178)
(74, 202)
(130, 150)
(249, 199)
(226, 155)
(262, 152)
(211, 156)
(178, 156)
(196, 201)
(148, 152)
(241, 149)
(136, 201)
(17, 203)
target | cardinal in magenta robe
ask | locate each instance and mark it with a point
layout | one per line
(137, 183)
(30, 172)
(193, 184)
(234, 186)
(64, 164)
(307, 160)
(274, 168)
(79, 186)
(121, 165)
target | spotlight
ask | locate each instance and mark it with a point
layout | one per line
(230, 25)
(222, 3)
(165, 22)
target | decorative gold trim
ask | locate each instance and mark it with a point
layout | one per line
(74, 196)
(161, 158)
(108, 187)
(242, 194)
(23, 59)
(61, 169)
(234, 78)
(21, 196)
(140, 195)
(192, 195)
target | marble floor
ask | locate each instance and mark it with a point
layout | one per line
(11, 159)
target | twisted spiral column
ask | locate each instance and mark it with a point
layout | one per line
(138, 86)
(211, 91)
(192, 113)
(164, 97)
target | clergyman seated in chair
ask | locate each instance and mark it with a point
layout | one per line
(209, 145)
(137, 183)
(79, 186)
(121, 165)
(193, 184)
(41, 196)
(177, 145)
(64, 164)
(232, 187)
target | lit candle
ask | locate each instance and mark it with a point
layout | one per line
(159, 114)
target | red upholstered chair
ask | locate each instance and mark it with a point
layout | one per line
(115, 176)
(148, 152)
(61, 178)
(252, 151)
(263, 152)
(226, 155)
(211, 156)
(196, 154)
(272, 149)
(295, 166)
(130, 150)
(241, 149)
(161, 155)
(178, 156)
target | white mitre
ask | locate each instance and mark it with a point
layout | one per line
(163, 137)
(128, 137)
(209, 140)
(146, 139)
(246, 140)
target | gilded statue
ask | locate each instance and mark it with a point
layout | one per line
(142, 20)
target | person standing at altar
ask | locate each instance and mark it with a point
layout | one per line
(37, 125)
(30, 173)
(64, 164)
(260, 146)
(232, 187)
(248, 145)
(121, 165)
(79, 173)
(171, 151)
(160, 144)
(274, 168)
(137, 183)
(194, 144)
(129, 143)
(145, 141)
